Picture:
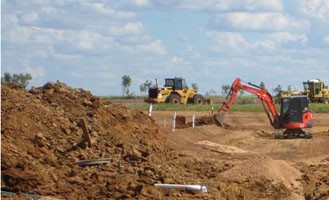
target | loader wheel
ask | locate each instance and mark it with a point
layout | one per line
(198, 99)
(174, 99)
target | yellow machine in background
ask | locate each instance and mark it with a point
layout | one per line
(175, 91)
(316, 91)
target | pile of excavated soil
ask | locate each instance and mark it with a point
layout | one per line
(278, 173)
(42, 140)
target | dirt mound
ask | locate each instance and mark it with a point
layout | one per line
(42, 139)
(277, 174)
(316, 180)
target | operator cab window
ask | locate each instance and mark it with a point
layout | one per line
(184, 84)
(178, 85)
(169, 83)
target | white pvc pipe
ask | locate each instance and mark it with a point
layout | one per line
(201, 188)
(174, 123)
(193, 120)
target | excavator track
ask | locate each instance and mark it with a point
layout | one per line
(292, 133)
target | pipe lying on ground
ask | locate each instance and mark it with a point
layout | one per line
(201, 188)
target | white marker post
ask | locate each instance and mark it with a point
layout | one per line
(150, 109)
(193, 120)
(174, 122)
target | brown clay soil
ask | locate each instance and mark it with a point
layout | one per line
(42, 140)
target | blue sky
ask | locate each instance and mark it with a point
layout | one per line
(91, 44)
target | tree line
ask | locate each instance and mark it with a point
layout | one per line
(20, 79)
(24, 78)
(127, 80)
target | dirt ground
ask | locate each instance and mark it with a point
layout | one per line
(42, 140)
(292, 168)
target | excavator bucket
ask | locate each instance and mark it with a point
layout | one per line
(218, 118)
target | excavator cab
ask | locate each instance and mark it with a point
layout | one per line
(292, 109)
(295, 116)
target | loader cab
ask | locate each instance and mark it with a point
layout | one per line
(313, 87)
(175, 83)
(293, 108)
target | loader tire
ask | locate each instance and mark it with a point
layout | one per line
(174, 99)
(198, 99)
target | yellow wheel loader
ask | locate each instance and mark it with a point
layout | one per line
(316, 91)
(175, 91)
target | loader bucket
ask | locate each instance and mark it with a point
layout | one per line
(218, 118)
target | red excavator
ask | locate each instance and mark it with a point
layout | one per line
(293, 119)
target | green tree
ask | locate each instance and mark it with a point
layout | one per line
(126, 82)
(278, 89)
(225, 89)
(195, 86)
(210, 92)
(21, 79)
(262, 85)
(145, 86)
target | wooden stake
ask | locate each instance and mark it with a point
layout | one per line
(86, 134)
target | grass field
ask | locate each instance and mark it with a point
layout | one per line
(314, 107)
(245, 103)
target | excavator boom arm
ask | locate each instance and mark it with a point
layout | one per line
(262, 94)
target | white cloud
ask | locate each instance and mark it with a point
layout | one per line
(228, 41)
(155, 47)
(243, 21)
(218, 5)
(103, 10)
(282, 37)
(326, 40)
(141, 2)
(35, 72)
(177, 60)
(30, 17)
(222, 41)
(53, 26)
(269, 5)
(276, 41)
(130, 28)
(316, 8)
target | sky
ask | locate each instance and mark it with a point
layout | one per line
(91, 44)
